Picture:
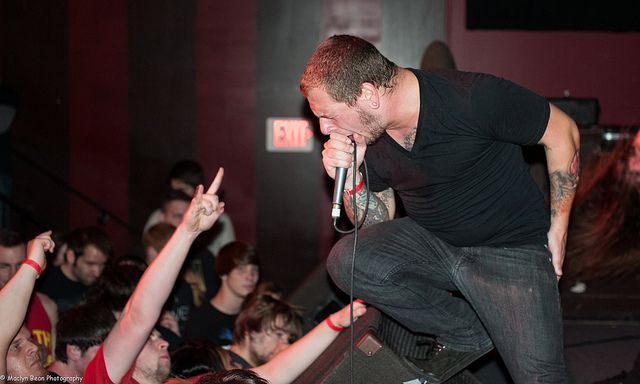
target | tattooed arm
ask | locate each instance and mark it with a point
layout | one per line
(561, 142)
(382, 205)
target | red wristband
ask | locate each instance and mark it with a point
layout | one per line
(33, 265)
(332, 325)
(352, 192)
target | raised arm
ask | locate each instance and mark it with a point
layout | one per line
(561, 142)
(143, 309)
(15, 295)
(287, 365)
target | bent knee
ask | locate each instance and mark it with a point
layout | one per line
(339, 262)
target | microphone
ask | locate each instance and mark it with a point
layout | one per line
(341, 176)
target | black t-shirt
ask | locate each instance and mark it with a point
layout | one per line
(180, 302)
(65, 292)
(207, 322)
(465, 178)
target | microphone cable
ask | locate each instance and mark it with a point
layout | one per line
(354, 230)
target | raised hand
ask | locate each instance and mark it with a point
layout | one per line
(205, 208)
(342, 318)
(37, 247)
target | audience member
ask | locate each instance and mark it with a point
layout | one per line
(265, 327)
(134, 352)
(42, 313)
(604, 239)
(115, 287)
(269, 288)
(19, 357)
(200, 260)
(238, 268)
(197, 357)
(89, 249)
(190, 288)
(235, 376)
(282, 368)
(80, 332)
(155, 238)
(287, 365)
(185, 176)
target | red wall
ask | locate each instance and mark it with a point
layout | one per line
(604, 65)
(225, 88)
(98, 113)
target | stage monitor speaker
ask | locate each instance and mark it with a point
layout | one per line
(374, 362)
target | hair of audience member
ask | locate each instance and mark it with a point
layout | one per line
(234, 376)
(269, 288)
(263, 313)
(603, 236)
(116, 286)
(10, 238)
(131, 259)
(157, 236)
(187, 171)
(79, 238)
(83, 326)
(174, 195)
(235, 254)
(342, 63)
(195, 358)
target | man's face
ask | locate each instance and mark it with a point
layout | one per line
(10, 260)
(154, 362)
(344, 119)
(88, 267)
(264, 345)
(242, 280)
(23, 359)
(173, 211)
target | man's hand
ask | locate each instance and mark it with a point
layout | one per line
(205, 208)
(38, 246)
(338, 153)
(556, 244)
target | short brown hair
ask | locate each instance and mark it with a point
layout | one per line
(82, 237)
(235, 254)
(261, 314)
(342, 63)
(157, 236)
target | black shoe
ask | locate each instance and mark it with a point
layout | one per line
(443, 362)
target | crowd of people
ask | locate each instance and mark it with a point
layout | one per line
(150, 318)
(188, 306)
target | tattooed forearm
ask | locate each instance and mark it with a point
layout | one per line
(377, 210)
(563, 187)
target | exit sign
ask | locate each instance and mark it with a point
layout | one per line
(289, 134)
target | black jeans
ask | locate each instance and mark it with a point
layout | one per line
(407, 272)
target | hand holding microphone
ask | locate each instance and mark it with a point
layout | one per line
(337, 158)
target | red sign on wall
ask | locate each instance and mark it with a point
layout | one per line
(286, 134)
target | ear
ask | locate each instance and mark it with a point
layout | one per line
(73, 352)
(369, 96)
(70, 256)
